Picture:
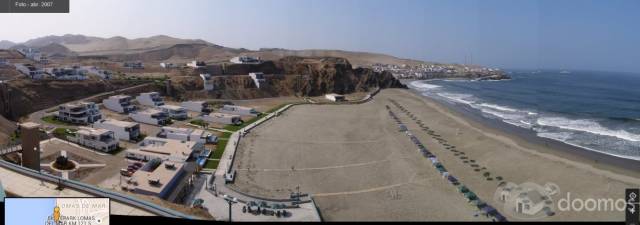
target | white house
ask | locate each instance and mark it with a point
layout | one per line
(174, 111)
(239, 110)
(67, 73)
(119, 103)
(133, 65)
(245, 60)
(196, 106)
(81, 113)
(150, 116)
(123, 130)
(96, 138)
(258, 78)
(160, 179)
(222, 118)
(167, 65)
(34, 54)
(196, 64)
(208, 82)
(335, 97)
(187, 134)
(152, 99)
(164, 149)
(30, 71)
(104, 74)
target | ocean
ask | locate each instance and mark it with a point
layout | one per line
(596, 111)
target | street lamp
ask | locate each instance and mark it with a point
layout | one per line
(231, 201)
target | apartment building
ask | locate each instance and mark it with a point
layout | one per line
(119, 103)
(80, 113)
(187, 134)
(123, 130)
(96, 138)
(174, 111)
(150, 116)
(152, 99)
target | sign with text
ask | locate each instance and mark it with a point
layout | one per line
(34, 6)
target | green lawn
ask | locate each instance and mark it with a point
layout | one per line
(212, 164)
(217, 154)
(53, 120)
(63, 133)
(232, 127)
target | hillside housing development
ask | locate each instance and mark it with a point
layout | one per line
(123, 130)
(80, 113)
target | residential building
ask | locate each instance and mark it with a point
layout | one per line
(104, 74)
(152, 99)
(168, 65)
(207, 81)
(174, 111)
(95, 138)
(119, 103)
(30, 71)
(150, 116)
(67, 73)
(133, 65)
(165, 149)
(258, 78)
(222, 118)
(187, 134)
(239, 110)
(80, 113)
(245, 60)
(159, 178)
(123, 130)
(34, 54)
(335, 97)
(196, 64)
(196, 106)
(4, 62)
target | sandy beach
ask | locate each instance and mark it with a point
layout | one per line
(358, 166)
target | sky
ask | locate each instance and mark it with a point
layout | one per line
(527, 34)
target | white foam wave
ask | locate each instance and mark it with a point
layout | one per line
(498, 107)
(586, 125)
(461, 98)
(565, 136)
(423, 86)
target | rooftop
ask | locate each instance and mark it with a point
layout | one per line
(118, 123)
(163, 173)
(93, 131)
(172, 107)
(167, 148)
(223, 115)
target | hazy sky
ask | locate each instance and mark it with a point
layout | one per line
(571, 34)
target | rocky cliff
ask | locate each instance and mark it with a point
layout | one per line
(287, 76)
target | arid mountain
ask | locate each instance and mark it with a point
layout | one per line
(355, 58)
(165, 48)
(57, 50)
(107, 46)
(4, 44)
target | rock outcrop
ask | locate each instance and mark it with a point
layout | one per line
(285, 77)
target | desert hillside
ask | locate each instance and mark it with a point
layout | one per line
(165, 48)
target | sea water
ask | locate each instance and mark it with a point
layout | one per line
(597, 111)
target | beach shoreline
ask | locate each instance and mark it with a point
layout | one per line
(530, 139)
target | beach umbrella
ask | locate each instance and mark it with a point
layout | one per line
(463, 189)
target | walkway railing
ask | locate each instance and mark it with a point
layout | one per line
(122, 198)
